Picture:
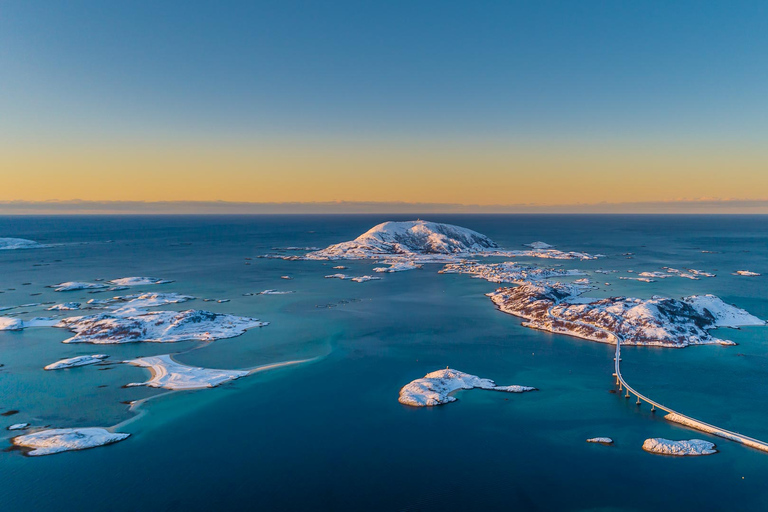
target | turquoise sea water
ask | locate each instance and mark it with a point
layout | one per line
(330, 434)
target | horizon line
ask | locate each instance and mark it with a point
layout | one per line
(89, 207)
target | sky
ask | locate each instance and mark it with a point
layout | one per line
(464, 103)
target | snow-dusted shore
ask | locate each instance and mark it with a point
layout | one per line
(435, 387)
(168, 374)
(131, 325)
(556, 307)
(73, 362)
(679, 448)
(47, 442)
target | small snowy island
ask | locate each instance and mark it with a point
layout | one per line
(138, 281)
(74, 362)
(47, 442)
(600, 440)
(132, 325)
(679, 448)
(168, 374)
(435, 388)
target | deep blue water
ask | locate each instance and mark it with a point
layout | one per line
(330, 435)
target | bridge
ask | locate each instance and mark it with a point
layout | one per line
(680, 418)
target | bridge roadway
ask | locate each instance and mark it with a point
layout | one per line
(680, 418)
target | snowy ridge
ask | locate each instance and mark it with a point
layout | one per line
(435, 388)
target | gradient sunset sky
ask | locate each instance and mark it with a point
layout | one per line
(497, 102)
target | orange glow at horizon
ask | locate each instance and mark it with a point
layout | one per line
(473, 174)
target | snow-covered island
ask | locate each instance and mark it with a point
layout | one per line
(408, 244)
(600, 440)
(435, 388)
(73, 362)
(168, 374)
(666, 322)
(358, 279)
(690, 447)
(10, 244)
(71, 286)
(747, 273)
(131, 325)
(47, 442)
(9, 323)
(138, 281)
(67, 306)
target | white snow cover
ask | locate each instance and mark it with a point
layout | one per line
(9, 244)
(47, 442)
(19, 426)
(8, 323)
(725, 315)
(409, 237)
(746, 273)
(130, 325)
(601, 440)
(276, 292)
(71, 286)
(76, 361)
(67, 306)
(435, 388)
(168, 374)
(690, 447)
(138, 281)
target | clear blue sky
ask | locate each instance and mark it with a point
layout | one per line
(588, 72)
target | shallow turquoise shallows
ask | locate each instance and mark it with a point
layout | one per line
(330, 434)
